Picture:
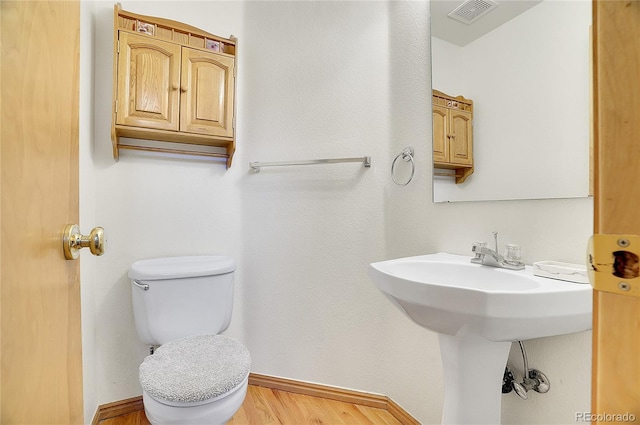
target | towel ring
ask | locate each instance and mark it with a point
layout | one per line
(406, 155)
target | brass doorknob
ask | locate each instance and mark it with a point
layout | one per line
(73, 241)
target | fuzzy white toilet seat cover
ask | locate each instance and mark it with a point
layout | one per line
(195, 368)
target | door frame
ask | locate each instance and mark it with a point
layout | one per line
(616, 316)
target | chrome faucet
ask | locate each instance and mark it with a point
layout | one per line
(491, 257)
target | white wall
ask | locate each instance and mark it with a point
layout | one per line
(315, 79)
(87, 187)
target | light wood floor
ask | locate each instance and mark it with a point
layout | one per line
(266, 406)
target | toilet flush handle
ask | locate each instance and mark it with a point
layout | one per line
(141, 285)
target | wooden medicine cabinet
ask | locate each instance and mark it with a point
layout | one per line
(174, 85)
(453, 135)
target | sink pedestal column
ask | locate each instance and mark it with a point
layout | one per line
(473, 369)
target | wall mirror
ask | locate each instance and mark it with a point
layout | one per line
(526, 67)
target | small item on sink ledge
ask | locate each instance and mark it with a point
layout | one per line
(561, 271)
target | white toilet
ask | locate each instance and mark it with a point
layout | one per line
(181, 304)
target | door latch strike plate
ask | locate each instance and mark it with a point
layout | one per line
(613, 264)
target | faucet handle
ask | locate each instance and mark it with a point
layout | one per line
(513, 253)
(476, 248)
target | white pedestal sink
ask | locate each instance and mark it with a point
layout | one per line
(478, 311)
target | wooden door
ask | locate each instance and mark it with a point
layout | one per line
(206, 103)
(41, 373)
(461, 148)
(440, 134)
(616, 316)
(148, 82)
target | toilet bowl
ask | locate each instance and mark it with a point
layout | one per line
(195, 380)
(195, 376)
(214, 412)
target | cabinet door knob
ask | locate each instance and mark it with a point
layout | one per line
(183, 89)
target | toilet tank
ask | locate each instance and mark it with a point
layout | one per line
(176, 297)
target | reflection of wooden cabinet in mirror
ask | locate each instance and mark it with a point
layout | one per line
(453, 135)
(172, 83)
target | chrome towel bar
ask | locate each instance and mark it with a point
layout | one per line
(255, 166)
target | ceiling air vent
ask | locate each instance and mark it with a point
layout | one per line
(472, 10)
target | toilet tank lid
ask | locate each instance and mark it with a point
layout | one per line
(181, 267)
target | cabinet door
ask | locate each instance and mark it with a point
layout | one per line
(207, 86)
(148, 81)
(461, 139)
(440, 134)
